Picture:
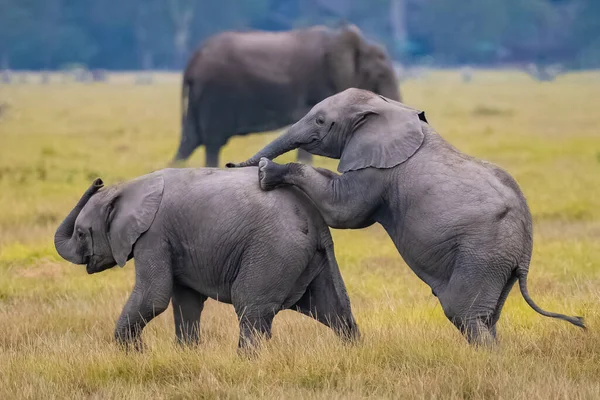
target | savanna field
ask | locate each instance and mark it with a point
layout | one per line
(56, 322)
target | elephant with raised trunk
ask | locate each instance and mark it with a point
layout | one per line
(238, 83)
(461, 224)
(199, 233)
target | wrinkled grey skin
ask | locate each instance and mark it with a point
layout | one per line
(238, 83)
(199, 233)
(461, 224)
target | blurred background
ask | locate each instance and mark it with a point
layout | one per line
(161, 34)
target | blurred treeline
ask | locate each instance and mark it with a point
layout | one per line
(160, 34)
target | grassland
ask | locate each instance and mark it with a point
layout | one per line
(56, 322)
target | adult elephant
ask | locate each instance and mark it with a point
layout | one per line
(199, 233)
(461, 224)
(243, 82)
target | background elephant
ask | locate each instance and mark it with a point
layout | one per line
(243, 82)
(461, 224)
(198, 233)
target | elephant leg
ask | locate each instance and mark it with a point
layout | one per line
(471, 298)
(212, 155)
(304, 156)
(324, 302)
(150, 297)
(256, 321)
(187, 308)
(503, 296)
(189, 142)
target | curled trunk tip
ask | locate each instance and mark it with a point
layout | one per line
(63, 236)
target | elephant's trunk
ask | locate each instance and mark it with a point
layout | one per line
(284, 143)
(63, 238)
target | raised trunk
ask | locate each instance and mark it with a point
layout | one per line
(63, 238)
(282, 144)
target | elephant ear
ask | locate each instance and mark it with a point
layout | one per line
(132, 212)
(385, 137)
(342, 57)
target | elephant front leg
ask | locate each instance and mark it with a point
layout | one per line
(346, 201)
(187, 308)
(150, 297)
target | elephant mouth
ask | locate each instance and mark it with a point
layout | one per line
(95, 265)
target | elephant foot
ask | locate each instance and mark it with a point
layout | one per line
(136, 346)
(270, 174)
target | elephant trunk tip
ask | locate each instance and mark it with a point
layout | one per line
(98, 183)
(240, 165)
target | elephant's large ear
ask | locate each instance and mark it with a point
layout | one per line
(132, 212)
(342, 56)
(384, 137)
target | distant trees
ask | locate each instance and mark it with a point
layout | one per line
(136, 34)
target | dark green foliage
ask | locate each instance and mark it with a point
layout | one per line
(134, 34)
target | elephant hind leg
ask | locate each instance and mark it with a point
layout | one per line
(503, 296)
(187, 308)
(256, 321)
(322, 302)
(189, 142)
(212, 155)
(471, 301)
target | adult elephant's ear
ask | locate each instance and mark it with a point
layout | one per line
(131, 213)
(342, 57)
(383, 136)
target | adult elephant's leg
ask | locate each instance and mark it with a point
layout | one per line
(187, 308)
(150, 297)
(327, 302)
(472, 295)
(212, 155)
(304, 156)
(190, 140)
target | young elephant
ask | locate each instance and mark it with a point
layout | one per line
(462, 225)
(199, 233)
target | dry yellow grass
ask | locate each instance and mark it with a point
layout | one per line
(56, 322)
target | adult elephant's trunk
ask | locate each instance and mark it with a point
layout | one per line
(65, 245)
(290, 140)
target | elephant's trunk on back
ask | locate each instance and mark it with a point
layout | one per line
(282, 144)
(63, 238)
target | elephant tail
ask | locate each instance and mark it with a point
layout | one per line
(185, 99)
(522, 275)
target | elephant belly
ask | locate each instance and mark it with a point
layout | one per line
(229, 112)
(209, 272)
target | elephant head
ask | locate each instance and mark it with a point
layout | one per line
(360, 128)
(102, 229)
(354, 62)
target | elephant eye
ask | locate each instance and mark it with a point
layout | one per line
(320, 120)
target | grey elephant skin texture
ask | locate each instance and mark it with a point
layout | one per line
(238, 83)
(461, 224)
(199, 233)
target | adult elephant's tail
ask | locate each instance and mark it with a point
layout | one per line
(190, 137)
(522, 276)
(185, 101)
